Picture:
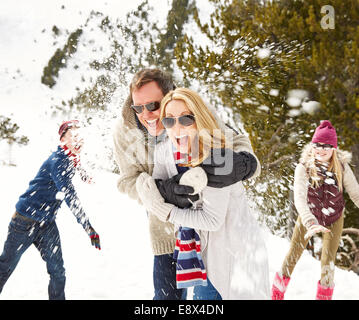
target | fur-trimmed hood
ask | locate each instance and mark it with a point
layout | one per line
(128, 115)
(344, 157)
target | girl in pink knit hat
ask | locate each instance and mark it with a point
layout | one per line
(321, 176)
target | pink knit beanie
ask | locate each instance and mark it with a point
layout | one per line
(326, 134)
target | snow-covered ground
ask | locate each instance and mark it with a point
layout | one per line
(123, 268)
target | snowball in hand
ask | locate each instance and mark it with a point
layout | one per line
(196, 178)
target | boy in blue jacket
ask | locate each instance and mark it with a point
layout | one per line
(34, 219)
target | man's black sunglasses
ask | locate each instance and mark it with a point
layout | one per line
(152, 106)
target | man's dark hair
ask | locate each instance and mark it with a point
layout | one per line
(144, 76)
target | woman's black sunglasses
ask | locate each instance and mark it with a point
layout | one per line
(185, 120)
(152, 106)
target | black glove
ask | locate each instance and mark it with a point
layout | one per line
(225, 167)
(176, 194)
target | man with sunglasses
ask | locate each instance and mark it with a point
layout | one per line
(137, 132)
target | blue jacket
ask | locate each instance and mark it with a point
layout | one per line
(52, 185)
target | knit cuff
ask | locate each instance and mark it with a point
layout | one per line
(162, 210)
(163, 247)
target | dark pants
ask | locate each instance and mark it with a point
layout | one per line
(164, 279)
(208, 292)
(45, 236)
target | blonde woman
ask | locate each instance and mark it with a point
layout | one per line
(219, 248)
(321, 176)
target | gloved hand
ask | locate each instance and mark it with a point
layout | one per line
(95, 238)
(176, 194)
(313, 229)
(225, 167)
(152, 198)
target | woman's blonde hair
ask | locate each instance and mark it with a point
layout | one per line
(335, 167)
(209, 133)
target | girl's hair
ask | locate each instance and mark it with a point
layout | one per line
(209, 133)
(335, 167)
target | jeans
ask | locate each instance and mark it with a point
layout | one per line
(22, 233)
(164, 279)
(208, 292)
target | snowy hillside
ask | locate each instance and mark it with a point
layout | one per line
(123, 268)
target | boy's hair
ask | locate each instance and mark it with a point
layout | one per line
(144, 76)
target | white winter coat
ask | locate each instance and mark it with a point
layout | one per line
(232, 246)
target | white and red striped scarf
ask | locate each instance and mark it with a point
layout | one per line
(181, 158)
(190, 269)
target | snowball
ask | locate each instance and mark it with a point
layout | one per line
(60, 196)
(294, 113)
(196, 178)
(298, 93)
(274, 92)
(296, 96)
(294, 101)
(310, 107)
(263, 53)
(329, 181)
